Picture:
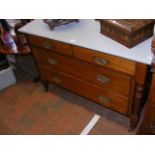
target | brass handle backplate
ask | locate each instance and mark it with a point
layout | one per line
(53, 61)
(101, 61)
(47, 46)
(104, 99)
(102, 78)
(56, 79)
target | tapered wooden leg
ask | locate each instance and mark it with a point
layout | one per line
(45, 84)
(133, 121)
(138, 98)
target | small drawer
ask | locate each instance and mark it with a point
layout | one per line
(90, 91)
(51, 45)
(105, 60)
(104, 78)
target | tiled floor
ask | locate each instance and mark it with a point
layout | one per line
(108, 127)
(26, 109)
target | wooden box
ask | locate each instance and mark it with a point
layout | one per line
(128, 32)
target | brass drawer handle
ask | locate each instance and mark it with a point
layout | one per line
(103, 99)
(102, 78)
(56, 79)
(101, 61)
(53, 61)
(47, 46)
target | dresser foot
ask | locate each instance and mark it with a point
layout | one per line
(45, 84)
(36, 79)
(133, 121)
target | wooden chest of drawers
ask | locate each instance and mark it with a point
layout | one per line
(111, 81)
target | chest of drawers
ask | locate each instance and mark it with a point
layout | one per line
(111, 81)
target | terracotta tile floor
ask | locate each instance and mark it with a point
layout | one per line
(108, 127)
(26, 109)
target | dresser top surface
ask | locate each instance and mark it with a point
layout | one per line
(86, 33)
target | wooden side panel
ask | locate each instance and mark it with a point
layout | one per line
(140, 76)
(141, 71)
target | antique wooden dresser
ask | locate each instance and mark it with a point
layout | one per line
(65, 58)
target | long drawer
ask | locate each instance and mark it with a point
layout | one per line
(105, 78)
(51, 45)
(110, 100)
(106, 60)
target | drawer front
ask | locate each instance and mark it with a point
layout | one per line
(101, 59)
(110, 100)
(51, 45)
(104, 78)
